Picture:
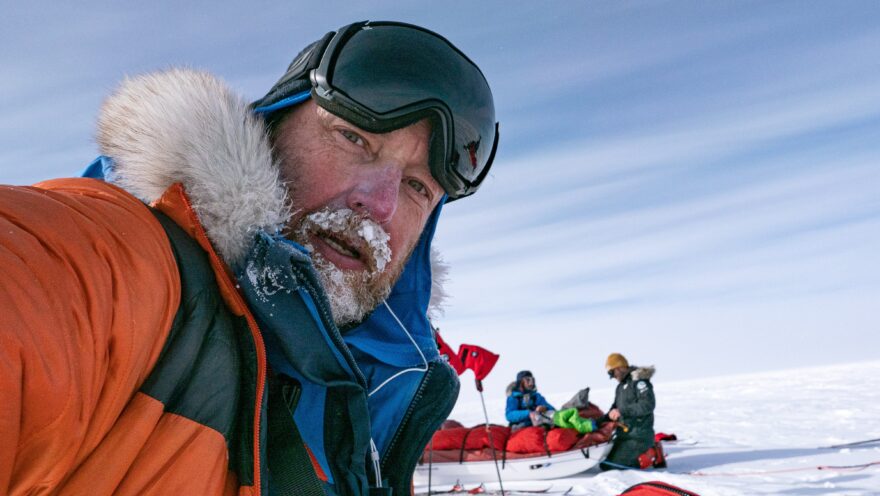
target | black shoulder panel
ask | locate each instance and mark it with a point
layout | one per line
(204, 365)
(346, 437)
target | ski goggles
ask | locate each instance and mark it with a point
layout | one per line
(383, 76)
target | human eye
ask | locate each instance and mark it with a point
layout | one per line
(419, 187)
(353, 137)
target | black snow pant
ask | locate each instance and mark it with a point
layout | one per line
(626, 452)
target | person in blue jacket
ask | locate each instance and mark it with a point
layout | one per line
(525, 405)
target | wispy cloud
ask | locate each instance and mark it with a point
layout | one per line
(751, 188)
(665, 167)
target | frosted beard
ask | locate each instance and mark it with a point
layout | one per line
(352, 293)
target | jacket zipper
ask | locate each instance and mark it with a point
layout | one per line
(420, 392)
(295, 392)
(330, 326)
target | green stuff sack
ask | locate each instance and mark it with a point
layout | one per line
(570, 419)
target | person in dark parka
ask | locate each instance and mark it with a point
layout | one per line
(634, 408)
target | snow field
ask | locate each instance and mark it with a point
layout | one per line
(753, 434)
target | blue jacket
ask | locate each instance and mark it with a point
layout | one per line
(519, 405)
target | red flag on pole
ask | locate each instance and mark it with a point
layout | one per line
(451, 356)
(478, 359)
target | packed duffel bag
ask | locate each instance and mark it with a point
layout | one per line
(591, 412)
(561, 439)
(478, 437)
(656, 488)
(449, 439)
(527, 440)
(450, 424)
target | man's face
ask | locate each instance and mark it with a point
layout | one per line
(360, 200)
(527, 383)
(620, 373)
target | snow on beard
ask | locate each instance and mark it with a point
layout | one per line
(352, 294)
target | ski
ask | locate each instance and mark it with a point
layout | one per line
(854, 443)
(457, 488)
(514, 492)
(526, 491)
(858, 466)
(481, 489)
(681, 442)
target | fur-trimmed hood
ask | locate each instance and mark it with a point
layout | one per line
(642, 373)
(186, 126)
(439, 278)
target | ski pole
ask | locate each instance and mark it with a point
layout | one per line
(489, 432)
(430, 463)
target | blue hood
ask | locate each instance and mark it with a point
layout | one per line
(391, 363)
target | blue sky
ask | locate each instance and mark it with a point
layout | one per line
(693, 184)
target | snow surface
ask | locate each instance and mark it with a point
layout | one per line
(745, 434)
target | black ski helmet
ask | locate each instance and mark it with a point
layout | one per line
(383, 76)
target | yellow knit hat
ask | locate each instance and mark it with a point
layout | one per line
(616, 360)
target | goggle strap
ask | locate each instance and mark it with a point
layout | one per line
(296, 79)
(286, 102)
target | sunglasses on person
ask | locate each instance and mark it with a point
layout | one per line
(383, 76)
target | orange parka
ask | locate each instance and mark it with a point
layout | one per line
(90, 287)
(103, 389)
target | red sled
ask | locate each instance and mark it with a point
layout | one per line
(656, 488)
(465, 456)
